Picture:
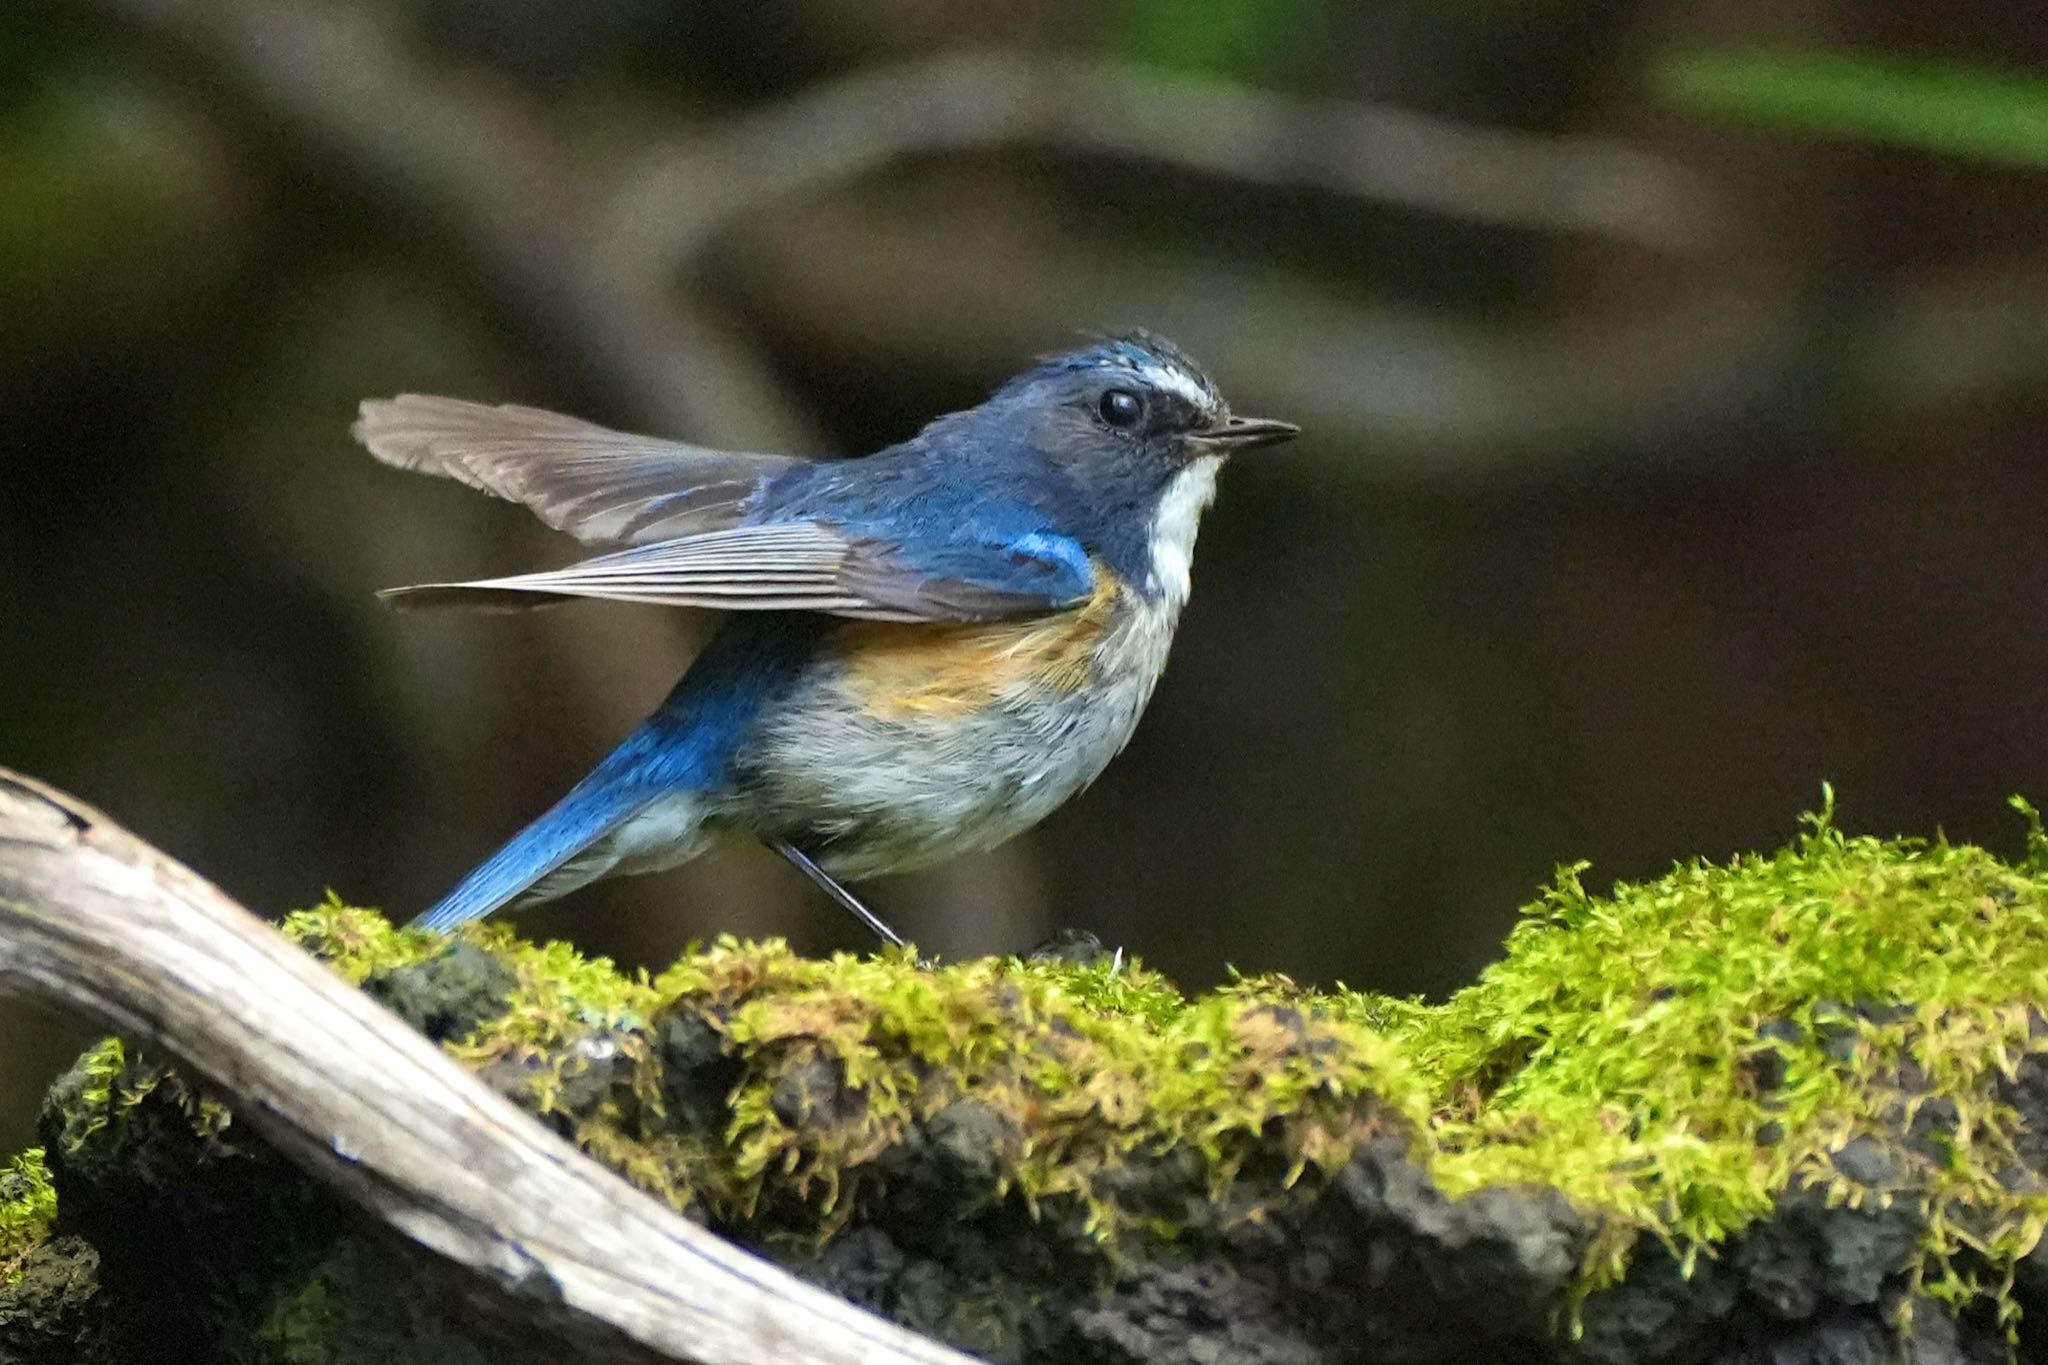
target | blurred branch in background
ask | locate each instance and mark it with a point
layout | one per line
(606, 284)
(965, 101)
(1431, 399)
(475, 168)
(606, 277)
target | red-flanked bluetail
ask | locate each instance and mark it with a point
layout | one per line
(930, 649)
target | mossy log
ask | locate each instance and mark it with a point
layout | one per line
(1791, 1109)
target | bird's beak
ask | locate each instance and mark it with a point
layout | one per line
(1241, 433)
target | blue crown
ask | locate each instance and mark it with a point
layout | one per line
(1135, 352)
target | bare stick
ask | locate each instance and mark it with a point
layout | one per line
(98, 924)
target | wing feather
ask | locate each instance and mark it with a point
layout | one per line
(694, 534)
(794, 566)
(602, 486)
(785, 566)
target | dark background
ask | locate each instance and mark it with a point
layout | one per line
(1674, 381)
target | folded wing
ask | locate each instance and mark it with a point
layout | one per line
(805, 566)
(602, 486)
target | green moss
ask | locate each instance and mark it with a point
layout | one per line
(1074, 1072)
(28, 1205)
(107, 1088)
(1674, 1057)
(358, 942)
(85, 1101)
(558, 998)
(561, 993)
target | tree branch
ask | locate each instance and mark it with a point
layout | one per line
(100, 925)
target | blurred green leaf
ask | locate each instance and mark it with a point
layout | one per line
(1981, 113)
(1237, 39)
(118, 206)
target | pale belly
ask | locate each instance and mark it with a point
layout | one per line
(898, 754)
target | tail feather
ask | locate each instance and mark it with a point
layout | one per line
(654, 801)
(531, 865)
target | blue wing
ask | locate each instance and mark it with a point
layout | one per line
(898, 536)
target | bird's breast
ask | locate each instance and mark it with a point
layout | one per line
(909, 671)
(908, 744)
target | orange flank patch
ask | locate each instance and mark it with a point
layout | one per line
(899, 671)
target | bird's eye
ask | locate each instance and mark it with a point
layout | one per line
(1121, 408)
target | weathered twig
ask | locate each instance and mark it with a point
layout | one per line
(96, 923)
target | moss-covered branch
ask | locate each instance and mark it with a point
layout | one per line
(537, 1251)
(1795, 1108)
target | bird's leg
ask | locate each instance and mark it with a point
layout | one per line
(846, 899)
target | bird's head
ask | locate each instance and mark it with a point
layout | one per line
(1135, 404)
(1137, 432)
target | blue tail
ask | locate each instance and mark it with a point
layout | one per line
(594, 808)
(660, 773)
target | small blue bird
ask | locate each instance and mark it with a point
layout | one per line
(932, 647)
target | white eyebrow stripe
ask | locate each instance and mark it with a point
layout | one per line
(1173, 379)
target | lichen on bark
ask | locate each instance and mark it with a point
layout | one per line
(1794, 1107)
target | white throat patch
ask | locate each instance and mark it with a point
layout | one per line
(1174, 526)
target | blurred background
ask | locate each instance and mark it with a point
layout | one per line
(1674, 378)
